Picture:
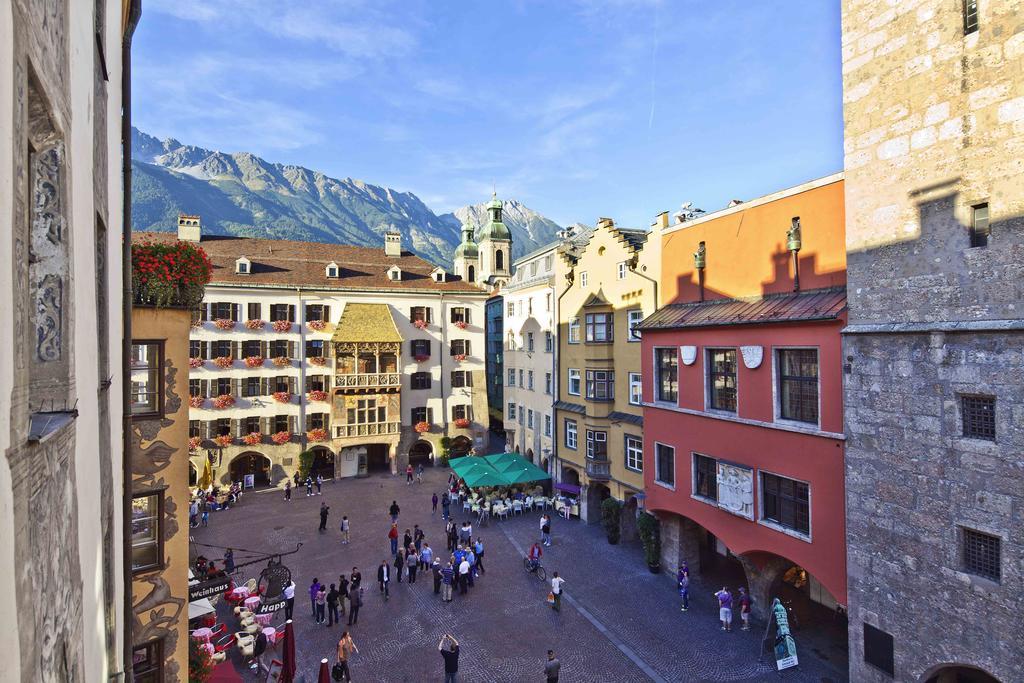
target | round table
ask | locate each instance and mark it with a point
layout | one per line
(271, 633)
(210, 649)
(252, 603)
(263, 619)
(203, 635)
(241, 592)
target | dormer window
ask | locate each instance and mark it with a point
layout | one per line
(332, 269)
(394, 273)
(243, 266)
(438, 274)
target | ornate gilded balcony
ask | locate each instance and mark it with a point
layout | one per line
(599, 470)
(368, 380)
(368, 429)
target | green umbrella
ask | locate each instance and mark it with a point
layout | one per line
(502, 461)
(483, 475)
(523, 474)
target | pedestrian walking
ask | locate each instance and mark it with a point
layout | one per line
(344, 530)
(393, 537)
(205, 517)
(433, 504)
(445, 506)
(435, 569)
(447, 576)
(288, 489)
(471, 559)
(355, 601)
(556, 590)
(412, 563)
(314, 588)
(321, 605)
(744, 600)
(342, 592)
(289, 600)
(419, 473)
(355, 578)
(725, 608)
(545, 529)
(394, 510)
(449, 649)
(407, 540)
(426, 556)
(324, 510)
(552, 667)
(332, 606)
(229, 561)
(408, 475)
(345, 649)
(683, 581)
(193, 513)
(452, 533)
(478, 551)
(309, 486)
(384, 578)
(319, 484)
(417, 537)
(400, 564)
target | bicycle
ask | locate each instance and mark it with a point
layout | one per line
(539, 570)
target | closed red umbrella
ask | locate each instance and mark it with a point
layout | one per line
(325, 672)
(288, 668)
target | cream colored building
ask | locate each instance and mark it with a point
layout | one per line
(610, 285)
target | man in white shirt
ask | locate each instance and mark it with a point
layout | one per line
(289, 596)
(556, 589)
(463, 576)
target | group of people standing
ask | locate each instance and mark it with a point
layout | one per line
(318, 482)
(724, 597)
(328, 602)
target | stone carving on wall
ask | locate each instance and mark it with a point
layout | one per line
(752, 356)
(48, 254)
(736, 489)
(688, 354)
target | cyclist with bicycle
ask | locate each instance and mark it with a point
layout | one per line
(534, 556)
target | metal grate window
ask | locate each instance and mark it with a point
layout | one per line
(979, 417)
(970, 16)
(878, 649)
(979, 225)
(798, 385)
(981, 554)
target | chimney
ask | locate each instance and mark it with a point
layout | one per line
(661, 220)
(189, 228)
(393, 243)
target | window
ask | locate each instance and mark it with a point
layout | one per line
(980, 554)
(529, 342)
(979, 417)
(251, 425)
(510, 309)
(281, 383)
(420, 347)
(705, 477)
(722, 379)
(878, 649)
(786, 502)
(318, 312)
(317, 421)
(460, 314)
(511, 377)
(282, 312)
(251, 387)
(547, 297)
(422, 414)
(147, 532)
(601, 385)
(668, 372)
(195, 428)
(148, 662)
(461, 412)
(251, 348)
(316, 383)
(195, 349)
(315, 348)
(664, 464)
(970, 16)
(147, 379)
(583, 279)
(242, 267)
(634, 453)
(255, 311)
(798, 384)
(220, 348)
(511, 410)
(529, 418)
(570, 434)
(529, 380)
(281, 423)
(533, 269)
(195, 387)
(547, 425)
(549, 342)
(460, 347)
(635, 389)
(510, 343)
(332, 270)
(521, 378)
(462, 378)
(222, 311)
(278, 348)
(574, 330)
(419, 313)
(574, 382)
(634, 317)
(622, 270)
(221, 427)
(979, 225)
(597, 444)
(367, 411)
(599, 327)
(547, 382)
(420, 380)
(522, 414)
(499, 260)
(529, 306)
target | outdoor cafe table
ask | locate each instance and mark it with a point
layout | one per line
(271, 633)
(264, 619)
(241, 592)
(203, 635)
(252, 603)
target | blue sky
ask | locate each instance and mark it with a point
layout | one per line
(578, 108)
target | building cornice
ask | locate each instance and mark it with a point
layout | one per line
(796, 429)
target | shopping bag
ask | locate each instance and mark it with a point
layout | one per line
(551, 598)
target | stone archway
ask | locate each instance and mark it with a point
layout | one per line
(459, 447)
(193, 475)
(529, 454)
(596, 494)
(570, 476)
(250, 462)
(958, 673)
(421, 453)
(323, 462)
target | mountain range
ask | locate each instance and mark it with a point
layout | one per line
(241, 194)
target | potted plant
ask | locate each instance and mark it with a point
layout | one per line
(460, 357)
(253, 439)
(318, 360)
(649, 528)
(255, 324)
(282, 361)
(281, 437)
(317, 325)
(461, 324)
(462, 422)
(282, 326)
(317, 395)
(195, 363)
(196, 401)
(173, 274)
(254, 361)
(422, 427)
(224, 323)
(224, 401)
(318, 434)
(611, 510)
(283, 396)
(420, 358)
(194, 443)
(224, 440)
(224, 362)
(200, 664)
(420, 324)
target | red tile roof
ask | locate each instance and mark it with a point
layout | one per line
(815, 304)
(286, 263)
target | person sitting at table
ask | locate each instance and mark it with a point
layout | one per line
(212, 571)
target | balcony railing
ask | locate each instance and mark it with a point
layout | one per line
(371, 429)
(599, 469)
(368, 379)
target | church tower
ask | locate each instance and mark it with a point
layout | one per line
(495, 247)
(467, 255)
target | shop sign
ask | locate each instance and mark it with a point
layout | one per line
(206, 589)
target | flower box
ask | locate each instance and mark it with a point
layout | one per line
(254, 361)
(282, 326)
(282, 396)
(318, 360)
(224, 440)
(317, 395)
(255, 324)
(317, 325)
(459, 357)
(196, 363)
(224, 401)
(318, 434)
(197, 324)
(282, 361)
(281, 437)
(224, 324)
(194, 443)
(253, 439)
(462, 423)
(419, 324)
(169, 274)
(422, 427)
(421, 358)
(461, 324)
(196, 401)
(224, 362)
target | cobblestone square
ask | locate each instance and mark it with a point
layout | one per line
(618, 621)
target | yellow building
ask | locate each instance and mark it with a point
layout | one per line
(611, 284)
(159, 460)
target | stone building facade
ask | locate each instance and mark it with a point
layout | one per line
(934, 392)
(62, 569)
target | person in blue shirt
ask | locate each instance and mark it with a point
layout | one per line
(478, 550)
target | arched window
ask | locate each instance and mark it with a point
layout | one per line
(472, 274)
(499, 260)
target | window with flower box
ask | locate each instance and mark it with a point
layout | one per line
(422, 414)
(420, 380)
(318, 312)
(220, 348)
(460, 314)
(251, 386)
(196, 388)
(195, 428)
(222, 385)
(221, 427)
(251, 424)
(462, 378)
(195, 349)
(280, 347)
(147, 379)
(461, 412)
(316, 348)
(251, 348)
(420, 314)
(317, 421)
(225, 311)
(460, 347)
(316, 382)
(282, 423)
(419, 347)
(282, 312)
(255, 311)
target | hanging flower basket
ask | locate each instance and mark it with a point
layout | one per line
(422, 427)
(194, 443)
(254, 361)
(317, 395)
(196, 401)
(282, 361)
(420, 358)
(419, 324)
(282, 326)
(281, 437)
(282, 396)
(318, 360)
(224, 324)
(255, 324)
(459, 357)
(462, 423)
(318, 434)
(224, 401)
(461, 324)
(173, 274)
(224, 361)
(253, 439)
(195, 363)
(317, 325)
(224, 440)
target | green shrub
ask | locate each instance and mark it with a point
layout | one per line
(306, 459)
(648, 527)
(611, 510)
